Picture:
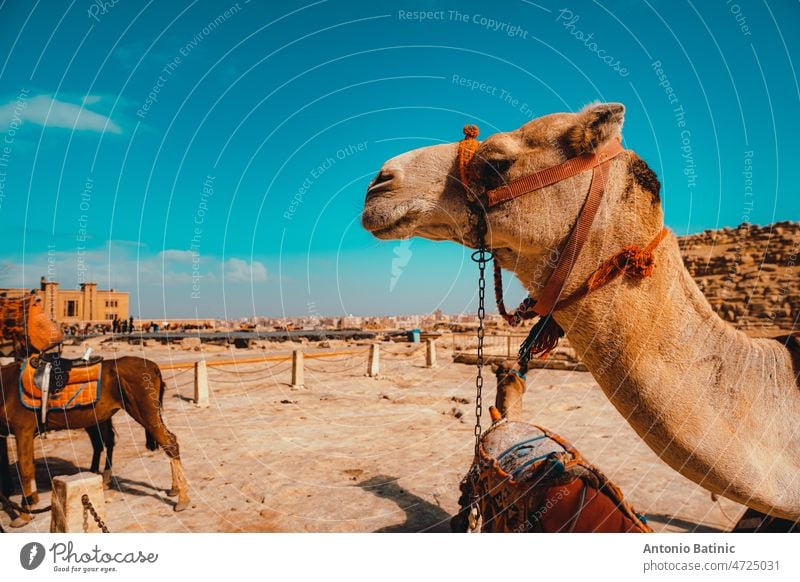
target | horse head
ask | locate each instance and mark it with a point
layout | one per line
(25, 324)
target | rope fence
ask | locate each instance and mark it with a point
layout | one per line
(352, 362)
(239, 372)
(240, 381)
(329, 362)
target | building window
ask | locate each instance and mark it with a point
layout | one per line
(111, 303)
(71, 309)
(109, 316)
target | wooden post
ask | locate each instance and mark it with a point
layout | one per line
(373, 364)
(298, 376)
(201, 384)
(67, 515)
(430, 353)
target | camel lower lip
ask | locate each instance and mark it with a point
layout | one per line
(389, 228)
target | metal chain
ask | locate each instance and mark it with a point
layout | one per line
(481, 256)
(89, 508)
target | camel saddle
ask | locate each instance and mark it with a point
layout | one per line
(529, 479)
(51, 382)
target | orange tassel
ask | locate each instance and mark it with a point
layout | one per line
(466, 151)
(633, 261)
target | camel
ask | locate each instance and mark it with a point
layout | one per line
(510, 389)
(719, 407)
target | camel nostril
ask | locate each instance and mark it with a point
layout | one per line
(381, 181)
(383, 176)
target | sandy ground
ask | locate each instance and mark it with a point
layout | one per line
(348, 453)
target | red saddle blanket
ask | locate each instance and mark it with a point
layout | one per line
(81, 387)
(531, 480)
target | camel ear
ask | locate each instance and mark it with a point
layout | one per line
(494, 367)
(595, 125)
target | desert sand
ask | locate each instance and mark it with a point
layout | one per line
(348, 453)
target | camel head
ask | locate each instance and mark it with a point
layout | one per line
(419, 193)
(510, 388)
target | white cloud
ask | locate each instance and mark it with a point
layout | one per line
(46, 111)
(176, 255)
(240, 271)
(121, 266)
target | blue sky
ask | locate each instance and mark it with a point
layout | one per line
(212, 157)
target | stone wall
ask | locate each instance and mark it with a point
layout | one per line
(750, 274)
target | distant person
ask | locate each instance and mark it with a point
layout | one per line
(123, 327)
(130, 324)
(114, 325)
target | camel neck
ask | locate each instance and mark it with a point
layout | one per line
(691, 385)
(631, 332)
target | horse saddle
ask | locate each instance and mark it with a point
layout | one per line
(529, 479)
(60, 370)
(49, 382)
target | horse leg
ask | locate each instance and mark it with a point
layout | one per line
(97, 446)
(144, 405)
(30, 496)
(5, 470)
(169, 442)
(150, 442)
(109, 437)
(180, 485)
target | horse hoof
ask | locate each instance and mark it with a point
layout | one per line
(172, 493)
(181, 505)
(21, 521)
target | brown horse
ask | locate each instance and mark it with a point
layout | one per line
(13, 343)
(128, 383)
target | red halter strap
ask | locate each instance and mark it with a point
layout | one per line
(599, 162)
(553, 174)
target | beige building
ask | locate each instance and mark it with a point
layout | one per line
(87, 304)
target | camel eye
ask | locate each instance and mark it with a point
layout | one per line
(499, 166)
(494, 172)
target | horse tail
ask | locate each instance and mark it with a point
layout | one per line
(150, 441)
